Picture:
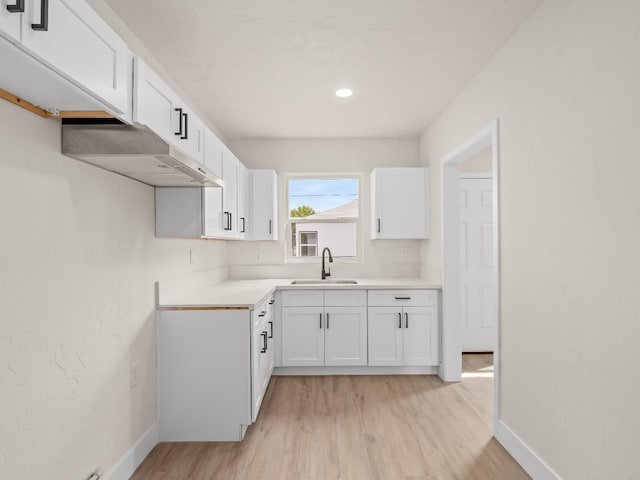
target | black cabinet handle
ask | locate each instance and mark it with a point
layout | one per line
(399, 320)
(180, 117)
(262, 314)
(406, 320)
(17, 8)
(227, 218)
(243, 225)
(186, 127)
(230, 221)
(403, 298)
(269, 227)
(44, 17)
(270, 329)
(327, 321)
(271, 302)
(320, 320)
(378, 225)
(264, 345)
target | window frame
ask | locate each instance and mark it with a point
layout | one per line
(289, 257)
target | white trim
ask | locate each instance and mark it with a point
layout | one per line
(476, 175)
(354, 370)
(131, 460)
(529, 460)
(451, 369)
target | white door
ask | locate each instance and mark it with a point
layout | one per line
(302, 336)
(345, 336)
(230, 193)
(385, 336)
(477, 318)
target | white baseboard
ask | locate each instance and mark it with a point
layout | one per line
(135, 455)
(524, 455)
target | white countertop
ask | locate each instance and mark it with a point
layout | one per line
(249, 293)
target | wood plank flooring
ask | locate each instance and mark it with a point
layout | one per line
(355, 428)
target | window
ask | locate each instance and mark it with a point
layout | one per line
(307, 244)
(323, 212)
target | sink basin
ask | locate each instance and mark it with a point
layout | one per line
(323, 282)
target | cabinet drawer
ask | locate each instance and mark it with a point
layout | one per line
(345, 298)
(303, 298)
(392, 298)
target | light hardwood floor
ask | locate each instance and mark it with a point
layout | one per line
(355, 428)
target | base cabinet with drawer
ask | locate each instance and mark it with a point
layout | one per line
(324, 328)
(214, 367)
(403, 328)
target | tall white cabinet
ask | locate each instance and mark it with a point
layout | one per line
(263, 192)
(400, 206)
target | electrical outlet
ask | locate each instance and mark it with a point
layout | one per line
(258, 253)
(133, 375)
(192, 257)
(406, 252)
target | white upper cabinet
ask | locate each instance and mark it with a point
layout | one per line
(400, 203)
(230, 193)
(213, 152)
(69, 38)
(243, 200)
(159, 108)
(263, 217)
(10, 18)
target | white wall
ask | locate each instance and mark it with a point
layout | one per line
(565, 89)
(78, 263)
(381, 258)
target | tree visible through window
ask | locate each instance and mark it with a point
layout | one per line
(323, 212)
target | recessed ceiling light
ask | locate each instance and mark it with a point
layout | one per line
(344, 92)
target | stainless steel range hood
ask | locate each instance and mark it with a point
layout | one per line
(133, 151)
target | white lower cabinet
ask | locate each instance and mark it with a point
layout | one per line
(214, 367)
(403, 334)
(333, 332)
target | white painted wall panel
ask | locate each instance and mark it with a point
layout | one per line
(79, 261)
(564, 88)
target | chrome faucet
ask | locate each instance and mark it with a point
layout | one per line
(326, 274)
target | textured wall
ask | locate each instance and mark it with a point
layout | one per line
(78, 264)
(565, 88)
(381, 258)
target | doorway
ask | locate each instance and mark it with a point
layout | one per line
(487, 138)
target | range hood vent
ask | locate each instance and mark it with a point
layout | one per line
(133, 151)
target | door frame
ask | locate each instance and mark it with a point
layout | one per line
(451, 368)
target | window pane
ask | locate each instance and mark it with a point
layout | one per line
(308, 251)
(326, 198)
(308, 238)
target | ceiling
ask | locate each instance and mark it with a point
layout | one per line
(269, 68)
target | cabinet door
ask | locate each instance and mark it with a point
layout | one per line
(399, 203)
(345, 336)
(243, 199)
(230, 193)
(385, 336)
(302, 336)
(259, 366)
(10, 20)
(191, 141)
(212, 152)
(214, 220)
(80, 46)
(155, 103)
(420, 327)
(264, 205)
